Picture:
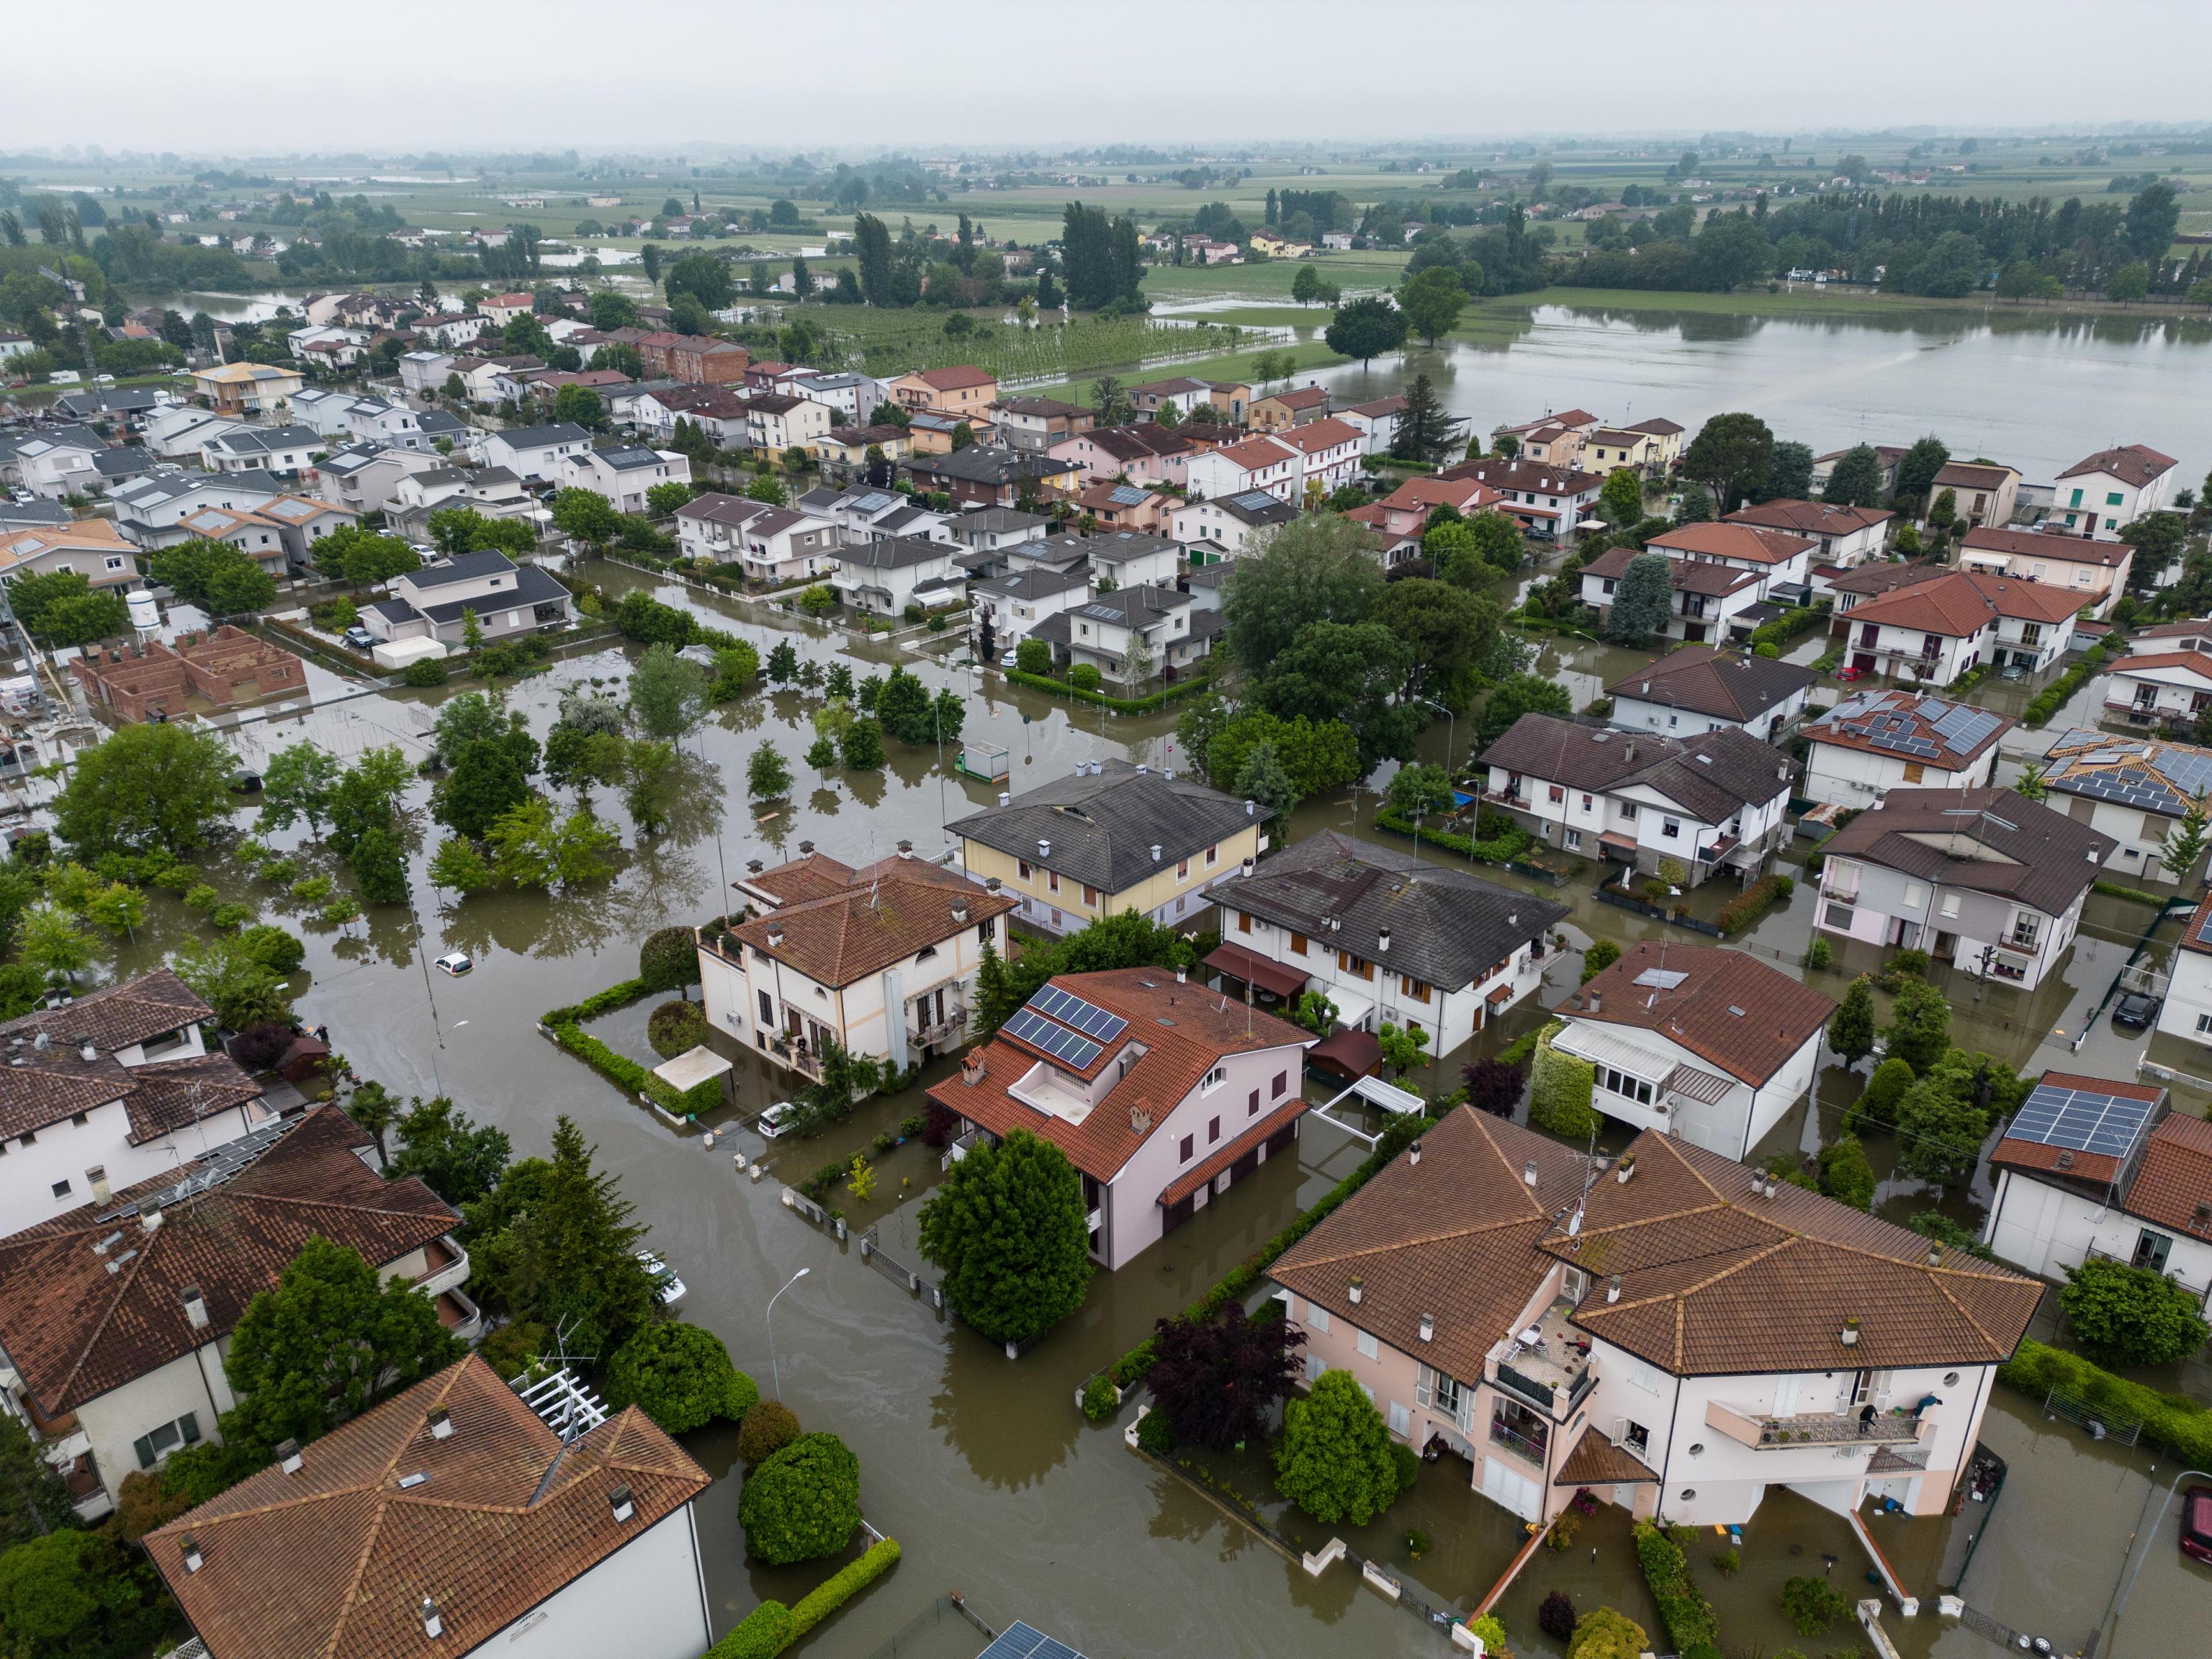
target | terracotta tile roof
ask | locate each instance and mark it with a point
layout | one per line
(174, 1094)
(1420, 495)
(882, 917)
(1305, 397)
(1596, 1461)
(2018, 848)
(1951, 604)
(2047, 545)
(1185, 1029)
(1214, 1162)
(1254, 453)
(1883, 578)
(1811, 517)
(2029, 600)
(2172, 1187)
(1659, 426)
(1730, 685)
(1748, 544)
(2195, 661)
(952, 379)
(1965, 475)
(1717, 1281)
(1455, 1237)
(1532, 478)
(1317, 435)
(336, 1559)
(2197, 932)
(1852, 723)
(76, 1329)
(1706, 576)
(37, 1089)
(814, 875)
(118, 1016)
(2131, 463)
(1727, 1008)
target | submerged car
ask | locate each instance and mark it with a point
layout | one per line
(2136, 1011)
(667, 1289)
(772, 1122)
(455, 963)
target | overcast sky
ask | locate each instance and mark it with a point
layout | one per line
(410, 76)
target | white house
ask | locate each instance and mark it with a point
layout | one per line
(773, 544)
(1781, 559)
(1376, 423)
(325, 408)
(1709, 1044)
(2186, 1010)
(886, 576)
(1226, 526)
(537, 452)
(1930, 632)
(61, 461)
(1548, 501)
(1708, 600)
(1261, 465)
(437, 601)
(1161, 1097)
(776, 422)
(2091, 572)
(1389, 939)
(469, 1523)
(881, 959)
(1694, 690)
(1875, 741)
(286, 450)
(2136, 790)
(178, 433)
(624, 473)
(374, 420)
(1131, 635)
(2159, 688)
(1716, 800)
(1829, 1355)
(423, 373)
(366, 477)
(1007, 607)
(152, 511)
(449, 329)
(2100, 494)
(1330, 451)
(115, 1316)
(2089, 1168)
(853, 397)
(1985, 879)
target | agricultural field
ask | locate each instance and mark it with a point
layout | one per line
(892, 342)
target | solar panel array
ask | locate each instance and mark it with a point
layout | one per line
(1962, 726)
(1125, 495)
(1253, 501)
(1031, 1027)
(1103, 612)
(876, 502)
(2080, 1119)
(2155, 777)
(2204, 929)
(1087, 1017)
(1906, 728)
(1020, 1640)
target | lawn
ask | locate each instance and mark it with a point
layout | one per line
(892, 342)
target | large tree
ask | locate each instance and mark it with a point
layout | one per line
(1519, 694)
(1333, 1459)
(1642, 599)
(1354, 672)
(1730, 455)
(1790, 477)
(75, 1595)
(1919, 1028)
(1318, 569)
(2125, 1315)
(455, 1158)
(297, 784)
(1431, 301)
(1365, 328)
(1007, 1229)
(1451, 633)
(704, 276)
(1851, 1032)
(1855, 478)
(1424, 430)
(1917, 469)
(166, 785)
(214, 575)
(1220, 1377)
(668, 694)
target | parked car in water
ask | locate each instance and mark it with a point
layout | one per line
(455, 963)
(2136, 1011)
(2196, 1524)
(667, 1289)
(772, 1122)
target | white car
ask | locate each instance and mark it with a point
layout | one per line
(772, 1120)
(455, 963)
(1008, 659)
(667, 1289)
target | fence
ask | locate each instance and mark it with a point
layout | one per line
(1625, 901)
(911, 1634)
(2097, 1422)
(873, 1252)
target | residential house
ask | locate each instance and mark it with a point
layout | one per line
(259, 539)
(962, 394)
(1132, 634)
(940, 434)
(1376, 422)
(1665, 436)
(1889, 455)
(1388, 938)
(1118, 559)
(423, 373)
(501, 309)
(853, 397)
(1551, 441)
(994, 530)
(1843, 536)
(287, 452)
(775, 424)
(624, 473)
(466, 1524)
(303, 520)
(247, 389)
(115, 1316)
(887, 575)
(151, 513)
(1223, 528)
(1722, 1311)
(718, 411)
(1847, 589)
(126, 408)
(865, 513)
(1231, 398)
(697, 358)
(1548, 501)
(1985, 879)
(1161, 1097)
(2092, 574)
(91, 547)
(2100, 494)
(1038, 423)
(492, 492)
(1710, 601)
(449, 331)
(1932, 631)
(177, 433)
(1694, 690)
(58, 461)
(843, 452)
(991, 474)
(1782, 561)
(1986, 493)
(2035, 623)
(367, 478)
(1112, 837)
(2094, 1169)
(1330, 451)
(1294, 406)
(778, 545)
(2185, 1011)
(881, 960)
(113, 1088)
(769, 376)
(373, 420)
(1134, 454)
(1606, 449)
(1254, 467)
(1713, 801)
(1179, 392)
(2159, 688)
(537, 454)
(1874, 742)
(1007, 607)
(33, 515)
(325, 410)
(436, 602)
(1123, 506)
(2138, 791)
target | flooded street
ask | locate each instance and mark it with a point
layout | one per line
(981, 1466)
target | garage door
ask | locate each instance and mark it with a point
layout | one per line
(1507, 1485)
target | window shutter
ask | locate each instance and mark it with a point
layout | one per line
(1424, 1388)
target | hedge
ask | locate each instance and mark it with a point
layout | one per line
(1145, 705)
(762, 1633)
(1754, 901)
(771, 1627)
(2133, 895)
(1691, 1623)
(2049, 701)
(2175, 1421)
(1502, 849)
(600, 1002)
(1789, 625)
(620, 1069)
(1130, 1368)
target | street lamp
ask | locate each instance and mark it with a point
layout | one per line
(2121, 1605)
(775, 1377)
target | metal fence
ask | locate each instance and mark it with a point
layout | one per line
(2096, 1421)
(953, 1607)
(873, 1252)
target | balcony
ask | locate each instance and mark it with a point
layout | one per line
(446, 1267)
(952, 1029)
(1530, 1446)
(1765, 1432)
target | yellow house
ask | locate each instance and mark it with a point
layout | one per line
(1110, 838)
(246, 388)
(964, 392)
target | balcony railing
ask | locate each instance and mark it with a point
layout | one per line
(1524, 1387)
(1768, 1433)
(1516, 1442)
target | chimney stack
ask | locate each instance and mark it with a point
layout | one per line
(441, 1423)
(149, 1215)
(621, 1503)
(1428, 1327)
(1004, 799)
(906, 849)
(1613, 1288)
(433, 1625)
(1044, 847)
(196, 1311)
(1413, 1153)
(190, 1544)
(288, 1455)
(806, 849)
(1354, 1290)
(1528, 1173)
(1382, 941)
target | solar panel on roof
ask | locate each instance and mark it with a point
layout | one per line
(874, 502)
(1029, 1026)
(1964, 726)
(1125, 495)
(1252, 499)
(1660, 979)
(1020, 1640)
(2080, 1119)
(1087, 1017)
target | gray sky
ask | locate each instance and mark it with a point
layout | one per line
(409, 74)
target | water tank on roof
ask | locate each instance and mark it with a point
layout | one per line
(145, 612)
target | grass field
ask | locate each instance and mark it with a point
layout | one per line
(892, 342)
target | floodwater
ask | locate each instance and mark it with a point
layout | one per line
(2035, 391)
(981, 1466)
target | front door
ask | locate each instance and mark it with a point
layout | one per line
(1694, 632)
(1947, 946)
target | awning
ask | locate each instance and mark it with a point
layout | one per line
(1697, 1084)
(1352, 1007)
(692, 1068)
(1504, 994)
(1596, 1461)
(1354, 1054)
(1192, 1179)
(1238, 963)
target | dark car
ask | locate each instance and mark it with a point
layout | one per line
(2136, 1011)
(2196, 1524)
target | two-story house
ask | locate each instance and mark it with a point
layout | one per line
(1387, 938)
(2160, 688)
(1985, 879)
(1549, 440)
(2091, 572)
(151, 513)
(624, 473)
(537, 453)
(1260, 466)
(853, 398)
(1120, 558)
(1275, 412)
(962, 392)
(1376, 422)
(885, 576)
(882, 960)
(1178, 392)
(1872, 742)
(90, 548)
(1139, 454)
(1549, 502)
(1669, 1331)
(1401, 518)
(1123, 506)
(1714, 801)
(1162, 1096)
(1888, 457)
(1224, 527)
(423, 373)
(1111, 837)
(2035, 623)
(1929, 633)
(2187, 1009)
(284, 451)
(1779, 558)
(437, 601)
(1330, 451)
(1037, 422)
(776, 422)
(1131, 635)
(366, 477)
(1695, 690)
(2136, 790)
(116, 1316)
(2091, 1169)
(2100, 494)
(990, 474)
(773, 544)
(1708, 600)
(1692, 1040)
(1007, 607)
(491, 492)
(1985, 491)
(1842, 536)
(244, 390)
(260, 539)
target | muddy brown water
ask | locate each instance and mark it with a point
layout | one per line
(981, 1466)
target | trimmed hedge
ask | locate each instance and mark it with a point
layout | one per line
(1145, 705)
(1789, 625)
(843, 1585)
(1748, 906)
(600, 1002)
(622, 1069)
(2133, 895)
(2049, 701)
(762, 1633)
(1502, 849)
(1691, 1623)
(2181, 1424)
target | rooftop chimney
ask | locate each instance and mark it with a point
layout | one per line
(87, 1051)
(1428, 1327)
(621, 1503)
(441, 1423)
(1596, 1001)
(1140, 1120)
(906, 849)
(190, 1544)
(1354, 1290)
(1251, 808)
(1528, 1173)
(1044, 847)
(433, 1625)
(1413, 1153)
(990, 884)
(1849, 1336)
(42, 1042)
(960, 909)
(1156, 852)
(753, 867)
(1142, 768)
(1004, 799)
(774, 934)
(1382, 941)
(150, 1214)
(195, 1307)
(1935, 1256)
(288, 1455)
(1613, 1288)
(806, 849)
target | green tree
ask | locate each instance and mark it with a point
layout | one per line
(459, 865)
(1321, 569)
(380, 865)
(1846, 1174)
(81, 618)
(1306, 287)
(1603, 1633)
(214, 575)
(2131, 282)
(1642, 599)
(681, 1375)
(1939, 1131)
(801, 1503)
(488, 782)
(1424, 432)
(33, 1501)
(862, 746)
(1401, 1048)
(1521, 694)
(579, 405)
(1420, 790)
(531, 847)
(74, 1594)
(668, 961)
(668, 695)
(1850, 1028)
(440, 1145)
(1855, 478)
(704, 276)
(146, 786)
(587, 515)
(1919, 1028)
(232, 978)
(1790, 477)
(1007, 1229)
(363, 558)
(35, 593)
(1621, 500)
(767, 775)
(1333, 1459)
(1730, 455)
(1354, 673)
(1431, 303)
(1454, 636)
(52, 944)
(1601, 956)
(2183, 846)
(1560, 1090)
(2124, 1315)
(1365, 328)
(1917, 471)
(297, 784)
(1262, 780)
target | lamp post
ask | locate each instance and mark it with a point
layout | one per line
(2121, 1605)
(775, 1376)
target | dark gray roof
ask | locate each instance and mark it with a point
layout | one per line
(1036, 582)
(28, 515)
(81, 405)
(983, 464)
(895, 552)
(1712, 775)
(1447, 927)
(439, 424)
(1102, 827)
(539, 437)
(1113, 546)
(170, 486)
(463, 567)
(532, 587)
(1134, 607)
(1984, 840)
(995, 521)
(397, 610)
(625, 458)
(266, 438)
(1727, 685)
(127, 462)
(1255, 507)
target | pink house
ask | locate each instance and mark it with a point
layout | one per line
(1141, 454)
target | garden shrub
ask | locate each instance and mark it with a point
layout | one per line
(1156, 1434)
(802, 1502)
(424, 671)
(765, 1632)
(1555, 1616)
(1602, 955)
(676, 1028)
(681, 1375)
(1100, 1398)
(769, 1427)
(259, 1046)
(1687, 1615)
(1814, 1605)
(1560, 1088)
(1603, 1633)
(842, 1585)
(2176, 1421)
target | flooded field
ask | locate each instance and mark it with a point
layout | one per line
(980, 1464)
